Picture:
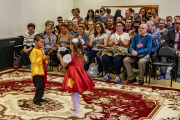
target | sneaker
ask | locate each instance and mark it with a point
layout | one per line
(106, 78)
(178, 78)
(26, 67)
(59, 69)
(117, 80)
(160, 77)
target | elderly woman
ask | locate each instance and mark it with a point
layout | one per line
(119, 43)
(99, 41)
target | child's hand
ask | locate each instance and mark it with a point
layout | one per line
(46, 57)
(59, 55)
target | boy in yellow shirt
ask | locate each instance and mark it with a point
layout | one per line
(38, 68)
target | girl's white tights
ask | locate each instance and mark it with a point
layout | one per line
(75, 99)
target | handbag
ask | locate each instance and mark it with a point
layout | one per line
(138, 56)
(17, 61)
(93, 70)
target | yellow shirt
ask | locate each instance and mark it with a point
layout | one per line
(36, 58)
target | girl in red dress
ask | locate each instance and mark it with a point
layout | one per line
(76, 79)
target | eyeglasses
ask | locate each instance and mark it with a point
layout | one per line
(98, 26)
(59, 20)
(90, 24)
(177, 23)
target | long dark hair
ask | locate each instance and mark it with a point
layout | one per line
(88, 14)
(102, 29)
(145, 15)
(78, 49)
(117, 14)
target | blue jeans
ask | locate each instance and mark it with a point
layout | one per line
(118, 63)
(90, 54)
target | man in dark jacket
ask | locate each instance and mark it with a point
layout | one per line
(173, 37)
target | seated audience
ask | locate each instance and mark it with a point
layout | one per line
(104, 23)
(128, 15)
(90, 30)
(72, 16)
(99, 41)
(169, 22)
(141, 44)
(141, 15)
(173, 37)
(119, 42)
(76, 16)
(28, 44)
(163, 34)
(110, 25)
(59, 20)
(49, 39)
(119, 19)
(143, 21)
(75, 27)
(155, 36)
(67, 23)
(102, 14)
(82, 35)
(128, 26)
(90, 16)
(177, 17)
(52, 25)
(117, 14)
(155, 18)
(108, 11)
(63, 41)
(135, 29)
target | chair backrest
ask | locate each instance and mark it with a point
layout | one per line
(166, 51)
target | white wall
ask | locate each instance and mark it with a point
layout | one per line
(166, 7)
(16, 14)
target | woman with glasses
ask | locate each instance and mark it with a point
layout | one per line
(97, 43)
(82, 35)
(90, 29)
(119, 43)
(76, 16)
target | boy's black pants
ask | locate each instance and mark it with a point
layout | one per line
(39, 84)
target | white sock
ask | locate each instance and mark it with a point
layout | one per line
(75, 99)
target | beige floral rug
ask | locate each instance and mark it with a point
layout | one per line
(107, 101)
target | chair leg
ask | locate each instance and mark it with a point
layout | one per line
(149, 76)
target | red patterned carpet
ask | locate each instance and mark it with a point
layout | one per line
(107, 101)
